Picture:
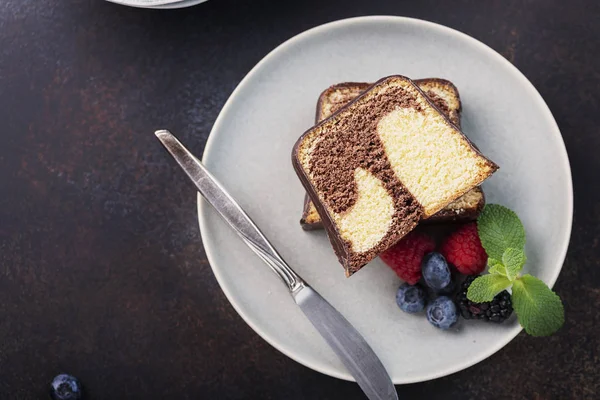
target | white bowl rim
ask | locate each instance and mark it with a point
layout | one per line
(158, 4)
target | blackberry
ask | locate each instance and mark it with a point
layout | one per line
(497, 310)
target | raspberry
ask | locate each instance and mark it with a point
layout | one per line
(405, 256)
(463, 249)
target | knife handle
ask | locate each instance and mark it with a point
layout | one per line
(230, 210)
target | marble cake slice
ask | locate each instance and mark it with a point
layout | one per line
(381, 164)
(445, 96)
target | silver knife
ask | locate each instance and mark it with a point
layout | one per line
(351, 348)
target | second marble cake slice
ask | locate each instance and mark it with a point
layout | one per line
(381, 164)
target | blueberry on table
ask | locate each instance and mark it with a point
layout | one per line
(442, 313)
(411, 298)
(65, 387)
(436, 272)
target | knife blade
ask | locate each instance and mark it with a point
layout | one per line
(347, 343)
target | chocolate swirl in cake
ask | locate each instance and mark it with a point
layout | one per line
(355, 144)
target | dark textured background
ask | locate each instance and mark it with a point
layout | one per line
(102, 269)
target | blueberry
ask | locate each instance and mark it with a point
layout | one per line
(411, 298)
(65, 387)
(436, 272)
(442, 313)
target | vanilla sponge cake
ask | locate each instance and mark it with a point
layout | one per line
(445, 96)
(382, 163)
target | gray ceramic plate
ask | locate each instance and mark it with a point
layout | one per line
(249, 151)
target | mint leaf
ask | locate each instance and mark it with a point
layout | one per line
(513, 261)
(496, 267)
(499, 229)
(486, 287)
(539, 309)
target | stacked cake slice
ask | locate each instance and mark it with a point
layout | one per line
(446, 98)
(384, 162)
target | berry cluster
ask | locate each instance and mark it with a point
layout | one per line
(414, 260)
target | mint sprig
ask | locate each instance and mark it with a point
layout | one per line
(486, 287)
(539, 309)
(496, 267)
(513, 261)
(499, 229)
